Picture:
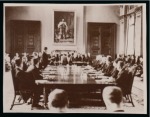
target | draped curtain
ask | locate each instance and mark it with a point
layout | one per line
(138, 36)
(121, 41)
(130, 42)
(130, 35)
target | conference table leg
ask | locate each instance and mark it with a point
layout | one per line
(45, 97)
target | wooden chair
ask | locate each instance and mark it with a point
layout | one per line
(17, 91)
(129, 85)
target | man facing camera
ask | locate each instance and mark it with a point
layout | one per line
(58, 101)
(113, 98)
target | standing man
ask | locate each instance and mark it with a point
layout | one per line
(45, 60)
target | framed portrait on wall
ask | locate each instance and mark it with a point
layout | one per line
(64, 27)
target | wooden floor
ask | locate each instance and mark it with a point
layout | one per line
(8, 97)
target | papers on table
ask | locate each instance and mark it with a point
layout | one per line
(102, 77)
(105, 80)
(49, 73)
(40, 81)
(50, 77)
(95, 73)
(50, 68)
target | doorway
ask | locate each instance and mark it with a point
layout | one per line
(25, 36)
(101, 39)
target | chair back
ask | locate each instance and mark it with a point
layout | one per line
(15, 84)
(130, 80)
(26, 81)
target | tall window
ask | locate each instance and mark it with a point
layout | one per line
(130, 41)
(121, 40)
(130, 35)
(138, 33)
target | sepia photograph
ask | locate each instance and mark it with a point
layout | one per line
(75, 58)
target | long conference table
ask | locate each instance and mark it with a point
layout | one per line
(72, 79)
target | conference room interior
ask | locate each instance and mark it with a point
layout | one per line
(75, 48)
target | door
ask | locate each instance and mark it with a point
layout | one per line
(101, 39)
(25, 36)
(94, 40)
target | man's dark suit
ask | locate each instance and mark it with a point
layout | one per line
(73, 58)
(36, 73)
(24, 66)
(78, 58)
(37, 90)
(45, 59)
(64, 60)
(85, 59)
(114, 73)
(89, 59)
(102, 66)
(95, 63)
(107, 70)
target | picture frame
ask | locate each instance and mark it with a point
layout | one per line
(64, 27)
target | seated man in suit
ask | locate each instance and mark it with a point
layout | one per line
(27, 81)
(31, 65)
(34, 74)
(114, 72)
(108, 67)
(22, 81)
(57, 59)
(113, 98)
(122, 76)
(78, 57)
(85, 58)
(64, 60)
(127, 62)
(58, 101)
(97, 62)
(69, 59)
(74, 57)
(16, 57)
(89, 59)
(24, 62)
(36, 71)
(139, 67)
(101, 63)
(35, 55)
